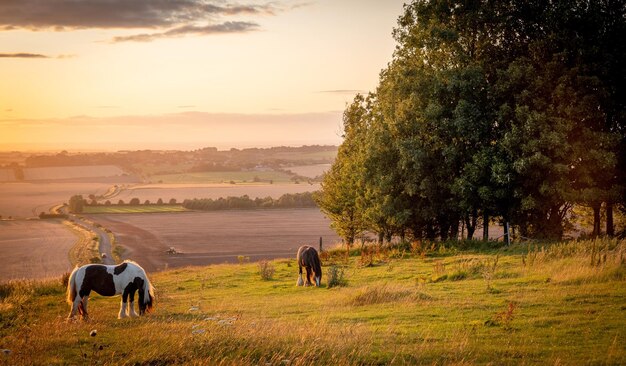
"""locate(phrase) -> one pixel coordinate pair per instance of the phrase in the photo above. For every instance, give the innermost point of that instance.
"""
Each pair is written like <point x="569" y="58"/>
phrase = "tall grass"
<point x="560" y="304"/>
<point x="597" y="260"/>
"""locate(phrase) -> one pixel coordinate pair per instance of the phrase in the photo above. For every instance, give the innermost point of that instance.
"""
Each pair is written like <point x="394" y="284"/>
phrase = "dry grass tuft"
<point x="577" y="262"/>
<point x="385" y="293"/>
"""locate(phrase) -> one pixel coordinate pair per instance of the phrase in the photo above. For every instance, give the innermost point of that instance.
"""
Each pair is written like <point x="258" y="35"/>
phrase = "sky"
<point x="186" y="74"/>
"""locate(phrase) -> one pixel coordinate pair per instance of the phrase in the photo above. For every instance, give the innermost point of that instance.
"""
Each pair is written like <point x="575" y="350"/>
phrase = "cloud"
<point x="22" y="55"/>
<point x="124" y="14"/>
<point x="227" y="27"/>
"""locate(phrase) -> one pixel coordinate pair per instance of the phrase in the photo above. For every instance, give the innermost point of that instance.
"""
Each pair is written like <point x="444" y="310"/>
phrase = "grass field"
<point x="560" y="305"/>
<point x="223" y="177"/>
<point x="126" y="209"/>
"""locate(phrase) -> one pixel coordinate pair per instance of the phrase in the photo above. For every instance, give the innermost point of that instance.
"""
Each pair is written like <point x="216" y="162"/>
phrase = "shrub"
<point x="266" y="270"/>
<point x="336" y="277"/>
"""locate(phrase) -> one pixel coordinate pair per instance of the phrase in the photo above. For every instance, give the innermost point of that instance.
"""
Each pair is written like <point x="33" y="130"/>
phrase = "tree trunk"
<point x="454" y="231"/>
<point x="485" y="225"/>
<point x="470" y="221"/>
<point x="610" y="227"/>
<point x="597" y="230"/>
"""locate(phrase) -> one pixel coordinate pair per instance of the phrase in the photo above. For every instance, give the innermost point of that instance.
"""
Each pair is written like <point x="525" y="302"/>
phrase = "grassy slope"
<point x="555" y="309"/>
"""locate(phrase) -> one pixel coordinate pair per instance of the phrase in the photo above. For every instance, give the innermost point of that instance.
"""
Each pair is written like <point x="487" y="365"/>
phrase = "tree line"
<point x="506" y="110"/>
<point x="288" y="200"/>
<point x="77" y="203"/>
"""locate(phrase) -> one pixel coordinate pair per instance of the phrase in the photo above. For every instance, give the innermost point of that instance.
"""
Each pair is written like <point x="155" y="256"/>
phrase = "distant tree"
<point x="146" y="202"/>
<point x="159" y="202"/>
<point x="121" y="202"/>
<point x="107" y="203"/>
<point x="172" y="201"/>
<point x="134" y="202"/>
<point x="76" y="204"/>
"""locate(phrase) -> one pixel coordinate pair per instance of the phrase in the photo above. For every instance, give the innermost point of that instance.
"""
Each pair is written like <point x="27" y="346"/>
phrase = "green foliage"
<point x="336" y="276"/>
<point x="287" y="200"/>
<point x="76" y="204"/>
<point x="476" y="117"/>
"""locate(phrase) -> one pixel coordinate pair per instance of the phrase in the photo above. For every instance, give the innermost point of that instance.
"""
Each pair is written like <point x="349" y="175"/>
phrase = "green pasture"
<point x="564" y="304"/>
<point x="121" y="209"/>
<point x="223" y="177"/>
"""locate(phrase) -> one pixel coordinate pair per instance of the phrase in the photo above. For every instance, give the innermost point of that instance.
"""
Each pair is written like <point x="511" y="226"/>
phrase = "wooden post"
<point x="321" y="244"/>
<point x="507" y="233"/>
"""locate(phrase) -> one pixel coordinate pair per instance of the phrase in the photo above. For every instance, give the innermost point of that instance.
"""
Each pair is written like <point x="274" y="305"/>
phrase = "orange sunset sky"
<point x="185" y="74"/>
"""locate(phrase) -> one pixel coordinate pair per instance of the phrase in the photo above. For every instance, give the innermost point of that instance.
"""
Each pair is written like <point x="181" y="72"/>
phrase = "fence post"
<point x="507" y="230"/>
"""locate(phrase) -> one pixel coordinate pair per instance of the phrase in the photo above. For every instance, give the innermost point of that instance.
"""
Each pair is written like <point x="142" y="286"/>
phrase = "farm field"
<point x="34" y="249"/>
<point x="509" y="306"/>
<point x="310" y="171"/>
<point x="203" y="238"/>
<point x="29" y="199"/>
<point x="71" y="172"/>
<point x="180" y="192"/>
<point x="223" y="177"/>
<point x="129" y="209"/>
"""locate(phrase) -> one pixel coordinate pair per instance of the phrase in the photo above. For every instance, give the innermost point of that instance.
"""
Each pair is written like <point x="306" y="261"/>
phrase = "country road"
<point x="104" y="241"/>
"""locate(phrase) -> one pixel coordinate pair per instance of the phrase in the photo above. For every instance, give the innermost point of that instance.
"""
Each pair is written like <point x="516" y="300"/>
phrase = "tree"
<point x="76" y="204"/>
<point x="342" y="184"/>
<point x="511" y="110"/>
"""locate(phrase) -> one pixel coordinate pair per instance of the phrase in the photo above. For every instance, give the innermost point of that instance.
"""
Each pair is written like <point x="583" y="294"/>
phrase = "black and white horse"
<point x="125" y="279"/>
<point x="307" y="257"/>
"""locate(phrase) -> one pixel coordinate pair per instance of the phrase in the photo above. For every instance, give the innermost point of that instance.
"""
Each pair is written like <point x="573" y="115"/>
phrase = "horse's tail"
<point x="71" y="287"/>
<point x="148" y="294"/>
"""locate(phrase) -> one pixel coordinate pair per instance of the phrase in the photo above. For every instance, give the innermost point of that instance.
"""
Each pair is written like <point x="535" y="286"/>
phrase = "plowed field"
<point x="34" y="249"/>
<point x="202" y="238"/>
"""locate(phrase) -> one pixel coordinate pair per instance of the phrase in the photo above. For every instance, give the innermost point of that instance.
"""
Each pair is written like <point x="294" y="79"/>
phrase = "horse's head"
<point x="318" y="273"/>
<point x="146" y="305"/>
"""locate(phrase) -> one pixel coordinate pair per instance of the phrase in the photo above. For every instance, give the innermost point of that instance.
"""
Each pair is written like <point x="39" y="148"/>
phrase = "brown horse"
<point x="307" y="257"/>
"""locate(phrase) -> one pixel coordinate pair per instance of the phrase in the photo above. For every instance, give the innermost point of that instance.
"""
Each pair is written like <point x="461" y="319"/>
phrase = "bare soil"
<point x="34" y="249"/>
<point x="202" y="238"/>
<point x="22" y="200"/>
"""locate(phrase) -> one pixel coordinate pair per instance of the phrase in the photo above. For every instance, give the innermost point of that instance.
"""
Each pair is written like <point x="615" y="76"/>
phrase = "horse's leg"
<point x="123" y="310"/>
<point x="308" y="276"/>
<point x="131" y="306"/>
<point x="300" y="281"/>
<point x="74" y="309"/>
<point x="85" y="300"/>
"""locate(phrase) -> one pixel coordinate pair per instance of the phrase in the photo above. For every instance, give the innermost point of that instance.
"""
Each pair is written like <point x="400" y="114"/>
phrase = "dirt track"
<point x="215" y="237"/>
